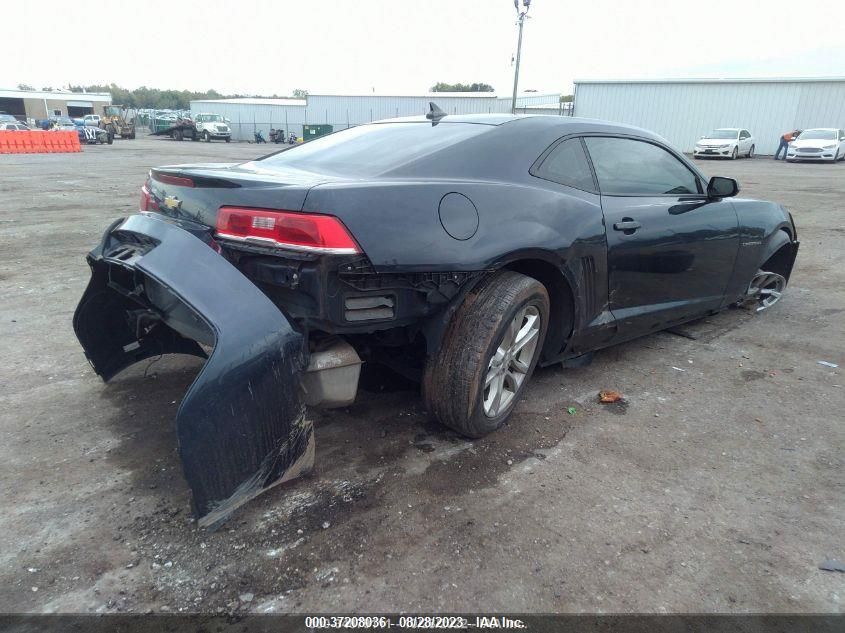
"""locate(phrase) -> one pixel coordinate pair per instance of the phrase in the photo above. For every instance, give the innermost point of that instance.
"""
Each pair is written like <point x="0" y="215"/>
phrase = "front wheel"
<point x="207" y="137"/>
<point x="751" y="152"/>
<point x="228" y="139"/>
<point x="735" y="153"/>
<point x="765" y="290"/>
<point x="488" y="354"/>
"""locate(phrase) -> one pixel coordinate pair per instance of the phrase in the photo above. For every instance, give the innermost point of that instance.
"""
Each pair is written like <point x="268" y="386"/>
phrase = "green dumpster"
<point x="310" y="132"/>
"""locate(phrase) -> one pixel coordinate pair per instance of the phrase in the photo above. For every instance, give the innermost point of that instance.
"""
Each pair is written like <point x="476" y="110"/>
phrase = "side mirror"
<point x="721" y="187"/>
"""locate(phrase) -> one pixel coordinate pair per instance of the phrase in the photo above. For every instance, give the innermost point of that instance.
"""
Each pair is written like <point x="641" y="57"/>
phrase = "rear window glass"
<point x="567" y="164"/>
<point x="369" y="150"/>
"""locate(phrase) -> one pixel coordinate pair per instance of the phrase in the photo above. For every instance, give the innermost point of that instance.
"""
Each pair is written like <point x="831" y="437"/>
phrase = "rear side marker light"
<point x="311" y="232"/>
<point x="144" y="204"/>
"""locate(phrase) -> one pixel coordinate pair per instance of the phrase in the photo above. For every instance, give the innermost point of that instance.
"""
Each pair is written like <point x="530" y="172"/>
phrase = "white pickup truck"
<point x="211" y="126"/>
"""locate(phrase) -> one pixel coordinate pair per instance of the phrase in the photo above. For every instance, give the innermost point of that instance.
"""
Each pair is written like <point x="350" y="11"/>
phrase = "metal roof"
<point x="255" y="101"/>
<point x="732" y="80"/>
<point x="434" y="95"/>
<point x="54" y="95"/>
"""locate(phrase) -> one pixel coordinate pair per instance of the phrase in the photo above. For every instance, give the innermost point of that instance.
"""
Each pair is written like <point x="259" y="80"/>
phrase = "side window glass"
<point x="567" y="164"/>
<point x="628" y="166"/>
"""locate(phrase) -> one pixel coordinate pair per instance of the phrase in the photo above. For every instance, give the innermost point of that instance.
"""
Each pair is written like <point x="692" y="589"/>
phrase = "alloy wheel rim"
<point x="511" y="361"/>
<point x="767" y="288"/>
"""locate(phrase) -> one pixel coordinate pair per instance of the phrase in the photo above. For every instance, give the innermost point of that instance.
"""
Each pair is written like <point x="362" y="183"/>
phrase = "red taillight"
<point x="286" y="229"/>
<point x="144" y="205"/>
<point x="167" y="179"/>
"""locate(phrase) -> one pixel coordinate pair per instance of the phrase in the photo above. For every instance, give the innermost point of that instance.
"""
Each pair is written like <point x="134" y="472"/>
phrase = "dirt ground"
<point x="716" y="487"/>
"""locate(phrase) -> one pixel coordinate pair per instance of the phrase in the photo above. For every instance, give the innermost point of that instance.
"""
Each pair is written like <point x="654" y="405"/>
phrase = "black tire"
<point x="132" y="134"/>
<point x="109" y="138"/>
<point x="751" y="152"/>
<point x="228" y="139"/>
<point x="735" y="153"/>
<point x="194" y="136"/>
<point x="207" y="137"/>
<point x="453" y="384"/>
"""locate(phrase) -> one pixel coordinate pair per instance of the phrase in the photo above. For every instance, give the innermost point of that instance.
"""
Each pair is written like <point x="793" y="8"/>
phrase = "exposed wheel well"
<point x="781" y="260"/>
<point x="561" y="299"/>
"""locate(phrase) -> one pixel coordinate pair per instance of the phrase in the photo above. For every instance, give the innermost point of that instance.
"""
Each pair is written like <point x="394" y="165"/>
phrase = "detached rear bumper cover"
<point x="157" y="288"/>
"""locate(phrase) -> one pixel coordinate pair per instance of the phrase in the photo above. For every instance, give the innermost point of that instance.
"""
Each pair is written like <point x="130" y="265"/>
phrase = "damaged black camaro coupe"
<point x="460" y="250"/>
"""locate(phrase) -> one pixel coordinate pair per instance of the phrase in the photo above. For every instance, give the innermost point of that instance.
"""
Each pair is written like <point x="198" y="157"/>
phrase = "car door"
<point x="671" y="249"/>
<point x="745" y="141"/>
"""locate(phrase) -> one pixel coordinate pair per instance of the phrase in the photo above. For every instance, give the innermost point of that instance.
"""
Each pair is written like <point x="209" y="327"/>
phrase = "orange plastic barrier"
<point x="39" y="142"/>
<point x="25" y="142"/>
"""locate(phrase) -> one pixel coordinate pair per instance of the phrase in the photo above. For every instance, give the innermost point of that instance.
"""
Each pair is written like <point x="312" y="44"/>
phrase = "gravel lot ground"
<point x="716" y="488"/>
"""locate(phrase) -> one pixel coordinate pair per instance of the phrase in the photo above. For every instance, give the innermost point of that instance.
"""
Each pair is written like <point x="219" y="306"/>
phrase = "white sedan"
<point x="819" y="144"/>
<point x="725" y="142"/>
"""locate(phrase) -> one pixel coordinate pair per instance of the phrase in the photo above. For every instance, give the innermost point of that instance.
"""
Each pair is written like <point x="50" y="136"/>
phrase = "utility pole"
<point x="520" y="20"/>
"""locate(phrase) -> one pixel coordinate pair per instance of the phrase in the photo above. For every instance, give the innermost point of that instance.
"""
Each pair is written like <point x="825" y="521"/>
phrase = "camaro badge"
<point x="172" y="202"/>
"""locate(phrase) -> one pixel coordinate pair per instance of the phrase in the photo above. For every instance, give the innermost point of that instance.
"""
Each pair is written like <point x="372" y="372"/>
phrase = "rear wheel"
<point x="488" y="354"/>
<point x="177" y="135"/>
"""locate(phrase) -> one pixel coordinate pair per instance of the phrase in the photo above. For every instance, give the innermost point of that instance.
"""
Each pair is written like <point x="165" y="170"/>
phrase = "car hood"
<point x="814" y="142"/>
<point x="716" y="141"/>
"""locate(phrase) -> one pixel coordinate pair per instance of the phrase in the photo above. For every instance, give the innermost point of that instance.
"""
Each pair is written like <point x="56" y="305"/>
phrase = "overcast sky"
<point x="405" y="46"/>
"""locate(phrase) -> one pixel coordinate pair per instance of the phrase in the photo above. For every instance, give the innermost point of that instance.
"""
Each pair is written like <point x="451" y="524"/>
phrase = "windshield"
<point x="213" y="117"/>
<point x="368" y="150"/>
<point x="809" y="135"/>
<point x="723" y="134"/>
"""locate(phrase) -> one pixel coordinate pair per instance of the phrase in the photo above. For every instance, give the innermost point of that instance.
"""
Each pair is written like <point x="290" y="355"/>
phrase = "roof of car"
<point x="551" y="121"/>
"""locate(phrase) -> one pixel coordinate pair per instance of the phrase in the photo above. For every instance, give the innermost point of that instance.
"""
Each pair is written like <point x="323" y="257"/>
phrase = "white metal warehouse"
<point x="248" y="115"/>
<point x="682" y="110"/>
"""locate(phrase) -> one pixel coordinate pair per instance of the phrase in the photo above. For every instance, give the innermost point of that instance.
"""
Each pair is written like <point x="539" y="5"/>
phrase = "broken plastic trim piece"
<point x="158" y="288"/>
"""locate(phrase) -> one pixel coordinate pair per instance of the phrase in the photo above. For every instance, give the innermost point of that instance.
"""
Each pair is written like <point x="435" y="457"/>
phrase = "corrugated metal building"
<point x="682" y="110"/>
<point x="342" y="111"/>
